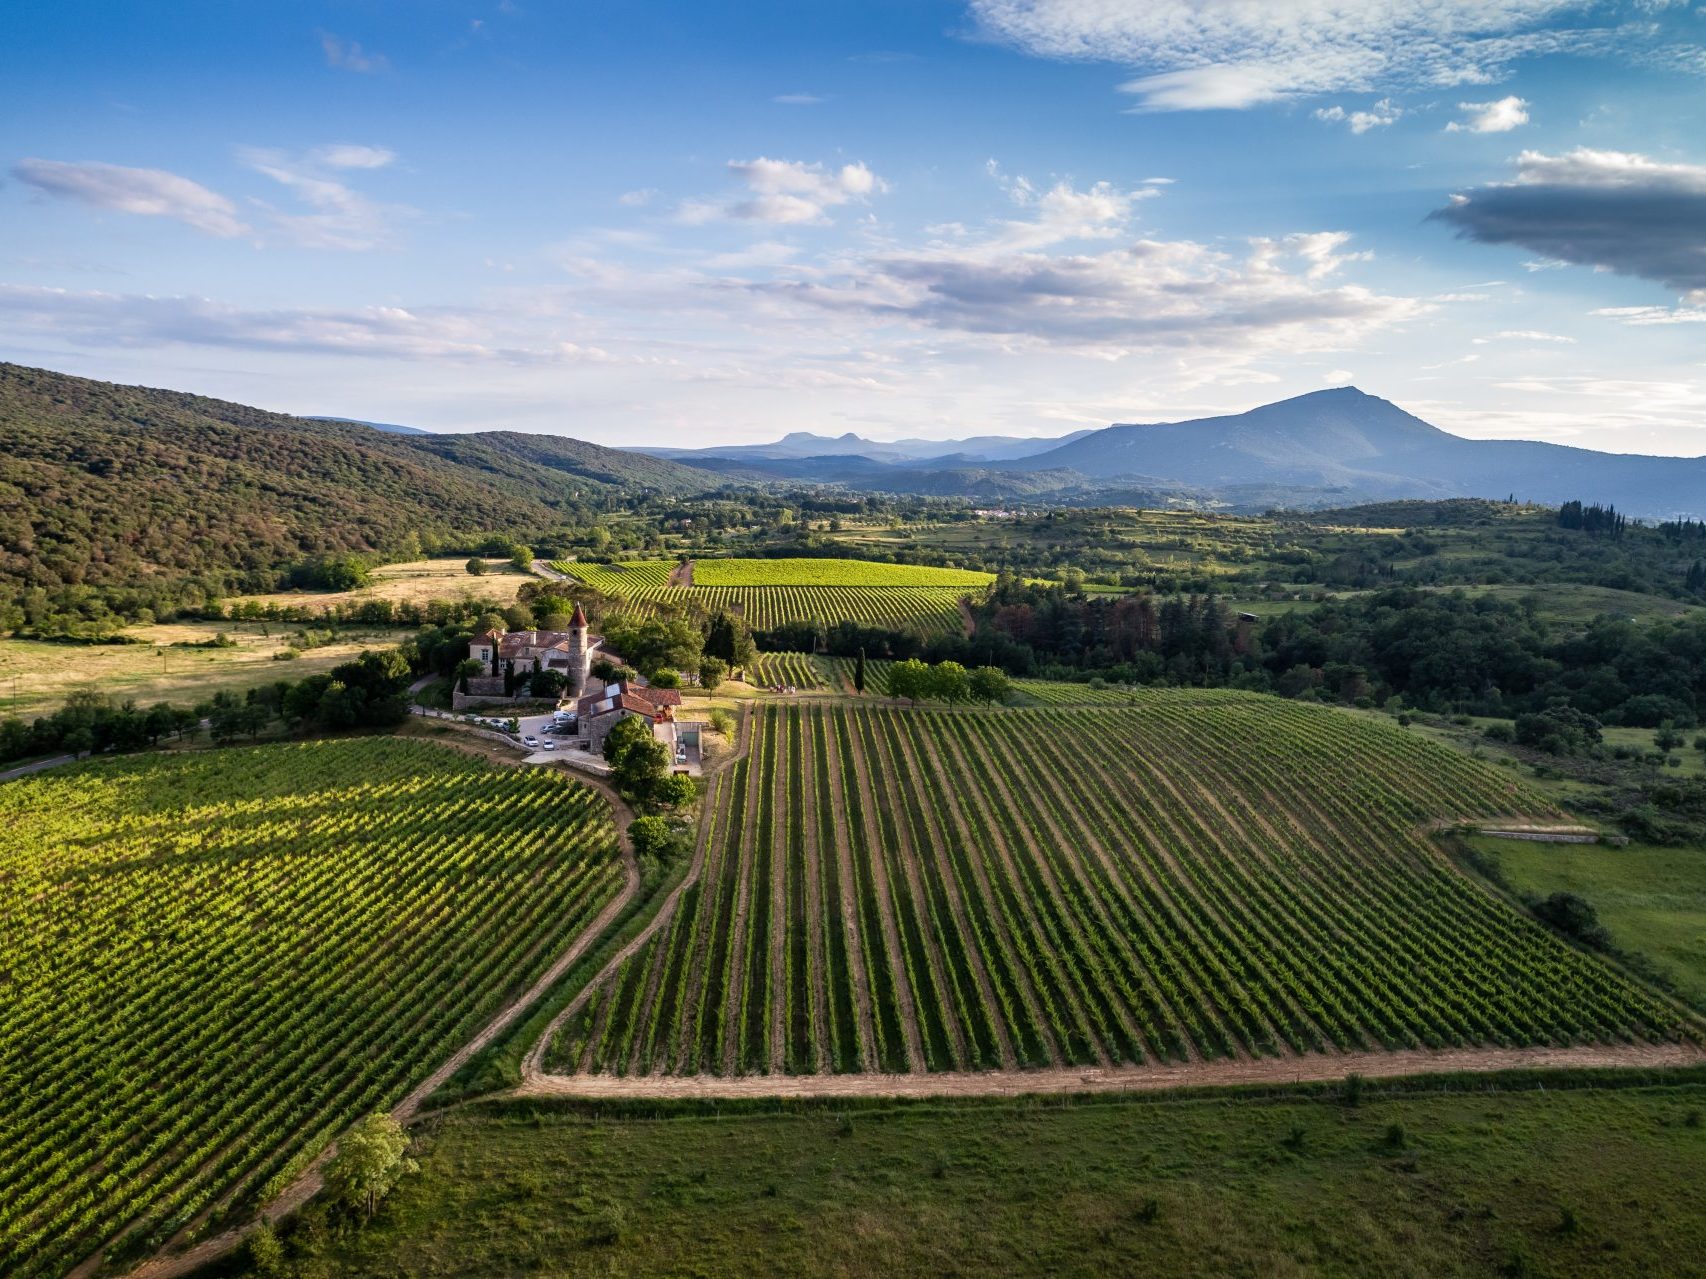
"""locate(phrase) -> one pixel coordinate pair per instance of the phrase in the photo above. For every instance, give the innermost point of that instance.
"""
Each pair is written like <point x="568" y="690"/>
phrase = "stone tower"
<point x="580" y="657"/>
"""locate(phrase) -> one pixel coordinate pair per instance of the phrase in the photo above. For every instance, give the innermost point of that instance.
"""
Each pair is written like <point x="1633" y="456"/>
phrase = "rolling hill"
<point x="106" y="484"/>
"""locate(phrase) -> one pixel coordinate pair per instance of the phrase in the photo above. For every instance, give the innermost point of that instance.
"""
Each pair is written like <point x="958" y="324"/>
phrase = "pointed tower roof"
<point x="578" y="621"/>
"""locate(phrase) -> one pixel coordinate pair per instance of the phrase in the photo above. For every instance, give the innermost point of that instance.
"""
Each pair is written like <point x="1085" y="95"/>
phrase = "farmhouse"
<point x="606" y="706"/>
<point x="512" y="658"/>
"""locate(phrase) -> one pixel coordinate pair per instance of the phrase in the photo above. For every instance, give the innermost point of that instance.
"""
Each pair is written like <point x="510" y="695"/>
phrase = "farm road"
<point x="1313" y="1068"/>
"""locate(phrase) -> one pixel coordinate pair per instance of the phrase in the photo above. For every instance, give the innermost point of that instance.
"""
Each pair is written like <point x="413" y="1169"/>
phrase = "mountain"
<point x="392" y="427"/>
<point x="804" y="445"/>
<point x="1368" y="448"/>
<point x="117" y="485"/>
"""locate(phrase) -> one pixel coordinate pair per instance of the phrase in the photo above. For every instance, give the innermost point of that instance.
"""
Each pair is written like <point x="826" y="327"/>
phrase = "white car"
<point x="547" y="746"/>
<point x="530" y="740"/>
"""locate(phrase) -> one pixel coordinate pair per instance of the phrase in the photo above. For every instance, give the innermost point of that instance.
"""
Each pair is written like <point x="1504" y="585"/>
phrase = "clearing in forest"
<point x="1199" y="875"/>
<point x="211" y="962"/>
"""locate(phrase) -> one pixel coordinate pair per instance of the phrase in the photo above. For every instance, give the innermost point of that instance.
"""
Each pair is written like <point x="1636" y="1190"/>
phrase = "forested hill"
<point x="107" y="485"/>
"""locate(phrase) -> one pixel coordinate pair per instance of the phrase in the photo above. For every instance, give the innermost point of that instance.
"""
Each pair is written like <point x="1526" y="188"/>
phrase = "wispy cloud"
<point x="345" y="155"/>
<point x="1206" y="54"/>
<point x="1491" y="117"/>
<point x="339" y="217"/>
<point x="1612" y="210"/>
<point x="798" y="99"/>
<point x="348" y="55"/>
<point x="150" y="192"/>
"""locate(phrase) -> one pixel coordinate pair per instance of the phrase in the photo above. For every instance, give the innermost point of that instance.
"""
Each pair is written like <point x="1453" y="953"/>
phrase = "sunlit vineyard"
<point x="1202" y="875"/>
<point x="889" y="602"/>
<point x="833" y="572"/>
<point x="798" y="670"/>
<point x="209" y="962"/>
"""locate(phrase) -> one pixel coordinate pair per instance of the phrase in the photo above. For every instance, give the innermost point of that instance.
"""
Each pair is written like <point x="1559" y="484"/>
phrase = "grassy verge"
<point x="1465" y="1177"/>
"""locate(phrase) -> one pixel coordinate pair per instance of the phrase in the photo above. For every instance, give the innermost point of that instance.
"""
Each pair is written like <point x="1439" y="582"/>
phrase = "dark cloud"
<point x="1605" y="209"/>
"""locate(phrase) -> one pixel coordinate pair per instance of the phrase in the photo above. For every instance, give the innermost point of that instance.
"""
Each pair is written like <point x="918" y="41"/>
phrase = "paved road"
<point x="24" y="770"/>
<point x="544" y="570"/>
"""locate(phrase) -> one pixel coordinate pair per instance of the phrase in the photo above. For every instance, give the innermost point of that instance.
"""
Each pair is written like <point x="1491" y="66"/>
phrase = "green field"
<point x="797" y="669"/>
<point x="1653" y="900"/>
<point x="832" y="572"/>
<point x="1469" y="1183"/>
<point x="1206" y="874"/>
<point x="208" y="962"/>
<point x="900" y="597"/>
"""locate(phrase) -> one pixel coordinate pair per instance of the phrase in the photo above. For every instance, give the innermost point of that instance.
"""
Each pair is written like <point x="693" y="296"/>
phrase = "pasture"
<point x="1201" y="875"/>
<point x="211" y="963"/>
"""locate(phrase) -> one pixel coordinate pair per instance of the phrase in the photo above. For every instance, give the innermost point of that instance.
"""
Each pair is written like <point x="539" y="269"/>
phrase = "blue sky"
<point x="686" y="223"/>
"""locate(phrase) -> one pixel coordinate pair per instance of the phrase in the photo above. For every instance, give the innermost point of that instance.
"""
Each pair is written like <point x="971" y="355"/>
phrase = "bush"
<point x="1574" y="917"/>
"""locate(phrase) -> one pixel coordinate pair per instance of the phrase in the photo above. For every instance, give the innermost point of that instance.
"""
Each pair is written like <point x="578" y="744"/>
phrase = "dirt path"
<point x="966" y="618"/>
<point x="24" y="770"/>
<point x="1313" y="1067"/>
<point x="682" y="574"/>
<point x="309" y="1182"/>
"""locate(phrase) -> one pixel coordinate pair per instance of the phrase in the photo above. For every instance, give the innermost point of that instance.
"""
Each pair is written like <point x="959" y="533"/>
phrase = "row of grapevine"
<point x="833" y="572"/>
<point x="1197" y="874"/>
<point x="788" y="669"/>
<point x="207" y="961"/>
<point x="929" y="610"/>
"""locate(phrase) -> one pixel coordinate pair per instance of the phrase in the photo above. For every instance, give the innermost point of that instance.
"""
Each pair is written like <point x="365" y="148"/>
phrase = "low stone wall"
<point x="1542" y="836"/>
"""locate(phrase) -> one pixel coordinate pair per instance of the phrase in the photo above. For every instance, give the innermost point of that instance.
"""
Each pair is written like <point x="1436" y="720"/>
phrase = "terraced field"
<point x="208" y="963"/>
<point x="1204" y="875"/>
<point x="827" y="591"/>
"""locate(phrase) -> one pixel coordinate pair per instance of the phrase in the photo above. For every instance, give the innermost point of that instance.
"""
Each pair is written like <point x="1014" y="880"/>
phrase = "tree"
<point x="948" y="683"/>
<point x="466" y="667"/>
<point x="990" y="684"/>
<point x="712" y="672"/>
<point x="476" y="566"/>
<point x="638" y="761"/>
<point x="522" y="559"/>
<point x="675" y="791"/>
<point x="1667" y="738"/>
<point x="372" y="1157"/>
<point x="909" y="679"/>
<point x="651" y="835"/>
<point x="859" y="672"/>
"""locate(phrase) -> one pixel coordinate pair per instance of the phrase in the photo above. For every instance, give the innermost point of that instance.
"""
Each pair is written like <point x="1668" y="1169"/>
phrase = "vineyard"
<point x="1201" y="875"/>
<point x="209" y="964"/>
<point x="833" y="572"/>
<point x="797" y="669"/>
<point x="889" y="602"/>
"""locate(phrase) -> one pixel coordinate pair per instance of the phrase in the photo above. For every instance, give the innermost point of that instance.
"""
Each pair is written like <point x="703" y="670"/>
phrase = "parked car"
<point x="530" y="740"/>
<point x="547" y="746"/>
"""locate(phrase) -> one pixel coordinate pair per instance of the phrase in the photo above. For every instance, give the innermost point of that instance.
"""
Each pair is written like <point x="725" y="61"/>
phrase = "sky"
<point x="693" y="223"/>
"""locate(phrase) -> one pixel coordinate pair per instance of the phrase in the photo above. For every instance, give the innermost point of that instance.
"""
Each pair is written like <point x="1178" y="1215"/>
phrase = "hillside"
<point x="106" y="484"/>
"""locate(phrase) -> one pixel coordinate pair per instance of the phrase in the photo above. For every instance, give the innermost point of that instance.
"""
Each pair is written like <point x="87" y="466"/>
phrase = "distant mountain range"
<point x="389" y="427"/>
<point x="1328" y="448"/>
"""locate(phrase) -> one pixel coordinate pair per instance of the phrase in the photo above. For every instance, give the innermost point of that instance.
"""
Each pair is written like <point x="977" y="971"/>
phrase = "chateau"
<point x="511" y="658"/>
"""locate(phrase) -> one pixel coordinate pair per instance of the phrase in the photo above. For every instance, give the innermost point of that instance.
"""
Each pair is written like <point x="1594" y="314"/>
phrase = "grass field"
<point x="208" y="962"/>
<point x="1653" y="900"/>
<point x="895" y="600"/>
<point x="415" y="582"/>
<point x="1473" y="1183"/>
<point x="1204" y="875"/>
<point x="155" y="671"/>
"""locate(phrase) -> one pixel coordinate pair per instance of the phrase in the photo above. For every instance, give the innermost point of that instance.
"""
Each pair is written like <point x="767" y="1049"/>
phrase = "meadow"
<point x="211" y="963"/>
<point x="1200" y="875"/>
<point x="165" y="666"/>
<point x="413" y="582"/>
<point x="1479" y="1181"/>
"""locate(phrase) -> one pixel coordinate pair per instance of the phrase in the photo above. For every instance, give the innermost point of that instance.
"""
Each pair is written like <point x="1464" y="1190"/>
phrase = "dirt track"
<point x="1016" y="1083"/>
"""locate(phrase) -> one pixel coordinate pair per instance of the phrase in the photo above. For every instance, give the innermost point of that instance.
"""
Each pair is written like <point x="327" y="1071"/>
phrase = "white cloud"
<point x="1644" y="316"/>
<point x="380" y="332"/>
<point x="340" y="217"/>
<point x="1378" y="116"/>
<point x="637" y="199"/>
<point x="786" y="192"/>
<point x="1206" y="54"/>
<point x="1522" y="335"/>
<point x="1491" y="117"/>
<point x="350" y="56"/>
<point x="151" y="192"/>
<point x="345" y="155"/>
